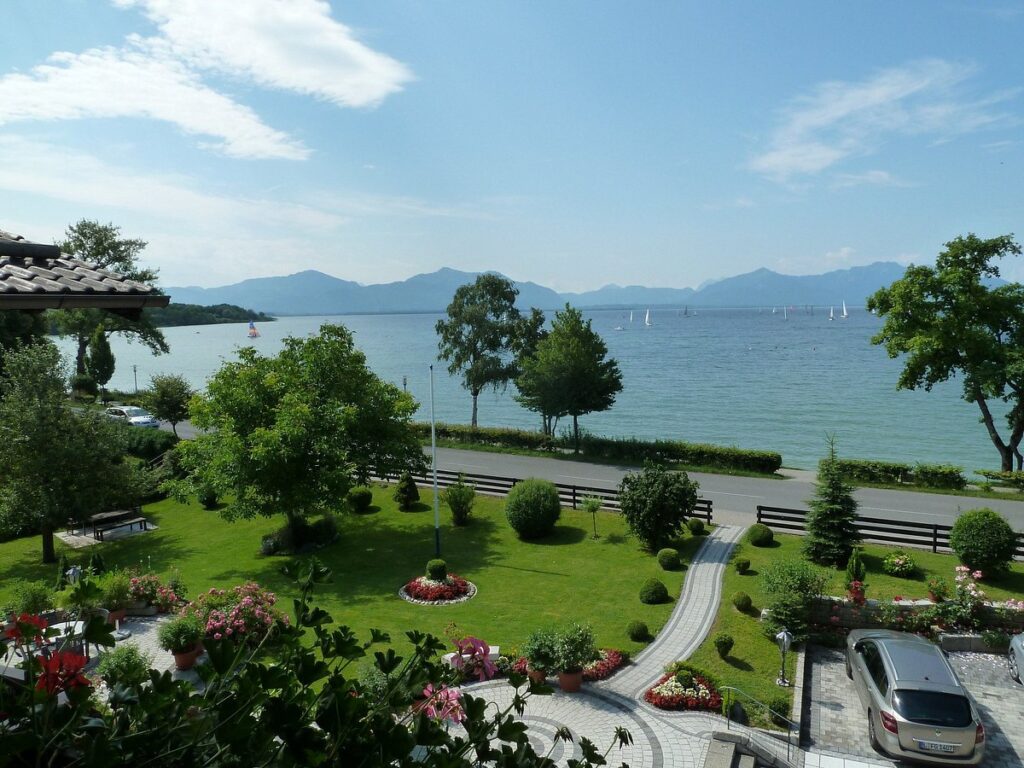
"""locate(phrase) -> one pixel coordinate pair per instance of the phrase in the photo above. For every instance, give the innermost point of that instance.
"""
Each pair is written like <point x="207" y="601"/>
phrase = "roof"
<point x="36" y="276"/>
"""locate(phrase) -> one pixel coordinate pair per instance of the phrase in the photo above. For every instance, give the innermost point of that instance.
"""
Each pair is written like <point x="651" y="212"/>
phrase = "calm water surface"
<point x="732" y="377"/>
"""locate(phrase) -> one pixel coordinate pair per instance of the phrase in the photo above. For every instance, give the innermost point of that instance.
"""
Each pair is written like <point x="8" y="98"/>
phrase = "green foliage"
<point x="18" y="328"/>
<point x="168" y="398"/>
<point x="668" y="559"/>
<point x="791" y="586"/>
<point x="576" y="648"/>
<point x="592" y="505"/>
<point x="437" y="570"/>
<point x="656" y="503"/>
<point x="947" y="322"/>
<point x="100" y="363"/>
<point x="741" y="564"/>
<point x="653" y="592"/>
<point x="175" y="314"/>
<point x="900" y="564"/>
<point x="207" y="497"/>
<point x="83" y="386"/>
<point x="532" y="508"/>
<point x="32" y="597"/>
<point x="996" y="639"/>
<point x="831" y="532"/>
<point x="696" y="526"/>
<point x="638" y="632"/>
<point x="181" y="634"/>
<point x="359" y="499"/>
<point x="62" y="572"/>
<point x="146" y="444"/>
<point x="780" y="707"/>
<point x="760" y="535"/>
<point x="406" y="493"/>
<point x="742" y="602"/>
<point x="97" y="566"/>
<point x="723" y="644"/>
<point x="855" y="568"/>
<point x="871" y="471"/>
<point x="125" y="665"/>
<point x="541" y="650"/>
<point x="678" y="668"/>
<point x="1011" y="479"/>
<point x="117" y="589"/>
<point x="984" y="541"/>
<point x="940" y="476"/>
<point x="459" y="497"/>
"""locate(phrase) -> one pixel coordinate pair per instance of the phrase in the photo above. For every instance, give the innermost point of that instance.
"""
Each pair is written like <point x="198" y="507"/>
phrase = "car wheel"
<point x="872" y="738"/>
<point x="1011" y="662"/>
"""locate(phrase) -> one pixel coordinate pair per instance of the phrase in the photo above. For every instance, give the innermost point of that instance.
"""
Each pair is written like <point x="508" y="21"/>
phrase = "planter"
<point x="115" y="616"/>
<point x="186" y="659"/>
<point x="141" y="609"/>
<point x="536" y="675"/>
<point x="570" y="682"/>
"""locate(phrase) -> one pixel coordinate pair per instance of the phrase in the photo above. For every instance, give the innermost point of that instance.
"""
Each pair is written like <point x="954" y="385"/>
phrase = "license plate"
<point x="936" y="746"/>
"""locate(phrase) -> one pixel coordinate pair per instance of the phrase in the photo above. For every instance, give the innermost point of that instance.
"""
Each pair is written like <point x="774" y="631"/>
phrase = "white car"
<point x="133" y="415"/>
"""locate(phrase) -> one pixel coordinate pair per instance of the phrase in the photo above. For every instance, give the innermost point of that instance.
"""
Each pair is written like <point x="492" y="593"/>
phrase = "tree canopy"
<point x="949" y="320"/>
<point x="17" y="328"/>
<point x="291" y="434"/>
<point x="656" y="503"/>
<point x="169" y="398"/>
<point x="100" y="363"/>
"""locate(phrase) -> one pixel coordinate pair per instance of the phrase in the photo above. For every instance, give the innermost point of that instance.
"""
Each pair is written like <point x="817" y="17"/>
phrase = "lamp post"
<point x="135" y="372"/>
<point x="785" y="640"/>
<point x="433" y="462"/>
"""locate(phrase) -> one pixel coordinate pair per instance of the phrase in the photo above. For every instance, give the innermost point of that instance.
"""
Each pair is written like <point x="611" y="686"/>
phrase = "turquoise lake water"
<point x="731" y="377"/>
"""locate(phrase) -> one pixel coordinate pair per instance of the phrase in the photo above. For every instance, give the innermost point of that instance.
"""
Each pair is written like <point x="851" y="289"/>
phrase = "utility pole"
<point x="135" y="372"/>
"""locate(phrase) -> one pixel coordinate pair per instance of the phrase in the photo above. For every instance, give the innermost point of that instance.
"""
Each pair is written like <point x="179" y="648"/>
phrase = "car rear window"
<point x="135" y="412"/>
<point x="933" y="708"/>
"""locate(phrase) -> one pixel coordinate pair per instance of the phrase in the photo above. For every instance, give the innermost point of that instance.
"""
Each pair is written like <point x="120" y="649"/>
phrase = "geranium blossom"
<point x="443" y="703"/>
<point x="422" y="588"/>
<point x="669" y="693"/>
<point x="30" y="624"/>
<point x="473" y="657"/>
<point x="607" y="662"/>
<point x="61" y="671"/>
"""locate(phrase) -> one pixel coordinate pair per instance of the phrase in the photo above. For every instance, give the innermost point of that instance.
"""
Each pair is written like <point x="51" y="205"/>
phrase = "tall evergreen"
<point x="831" y="533"/>
<point x="100" y="363"/>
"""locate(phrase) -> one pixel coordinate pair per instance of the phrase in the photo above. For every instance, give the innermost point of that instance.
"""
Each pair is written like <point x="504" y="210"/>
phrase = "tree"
<point x="18" y="327"/>
<point x="656" y="503"/>
<point x="102" y="245"/>
<point x="948" y="320"/>
<point x="59" y="464"/>
<point x="291" y="434"/>
<point x="569" y="372"/>
<point x="479" y="335"/>
<point x="100" y="364"/>
<point x="831" y="532"/>
<point x="169" y="397"/>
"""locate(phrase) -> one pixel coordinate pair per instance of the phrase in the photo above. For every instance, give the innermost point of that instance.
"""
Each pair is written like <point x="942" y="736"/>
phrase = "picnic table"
<point x="119" y="518"/>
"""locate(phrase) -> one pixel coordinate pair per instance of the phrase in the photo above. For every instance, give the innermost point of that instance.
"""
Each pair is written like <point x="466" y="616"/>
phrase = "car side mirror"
<point x="858" y="646"/>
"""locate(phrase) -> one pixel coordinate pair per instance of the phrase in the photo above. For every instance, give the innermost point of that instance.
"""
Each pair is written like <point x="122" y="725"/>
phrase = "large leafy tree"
<point x="169" y="397"/>
<point x="656" y="503"/>
<point x="102" y="245"/>
<point x="17" y="328"/>
<point x="949" y="321"/>
<point x="831" y="532"/>
<point x="58" y="464"/>
<point x="479" y="335"/>
<point x="291" y="434"/>
<point x="100" y="363"/>
<point x="569" y="372"/>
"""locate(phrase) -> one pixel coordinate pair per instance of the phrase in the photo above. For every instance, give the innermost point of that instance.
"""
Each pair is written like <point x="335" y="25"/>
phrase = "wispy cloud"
<point x="875" y="178"/>
<point x="839" y="120"/>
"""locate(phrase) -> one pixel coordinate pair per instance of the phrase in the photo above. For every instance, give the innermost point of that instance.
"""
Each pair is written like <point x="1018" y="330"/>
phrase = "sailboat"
<point x="774" y="310"/>
<point x="845" y="314"/>
<point x="785" y="314"/>
<point x="253" y="333"/>
<point x="831" y="313"/>
<point x="631" y="315"/>
<point x="647" y="318"/>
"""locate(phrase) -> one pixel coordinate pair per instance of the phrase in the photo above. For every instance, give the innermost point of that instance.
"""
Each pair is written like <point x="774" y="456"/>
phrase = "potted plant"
<point x="181" y="637"/>
<point x="576" y="648"/>
<point x="117" y="594"/>
<point x="938" y="589"/>
<point x="541" y="652"/>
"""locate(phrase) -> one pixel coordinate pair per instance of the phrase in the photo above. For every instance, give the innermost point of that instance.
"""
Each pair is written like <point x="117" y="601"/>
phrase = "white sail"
<point x="831" y="313"/>
<point x="785" y="314"/>
<point x="647" y="318"/>
<point x="844" y="315"/>
<point x="631" y="315"/>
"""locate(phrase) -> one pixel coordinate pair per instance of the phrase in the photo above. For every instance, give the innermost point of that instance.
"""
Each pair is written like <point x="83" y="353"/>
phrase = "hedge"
<point x="899" y="473"/>
<point x="614" y="448"/>
<point x="1011" y="479"/>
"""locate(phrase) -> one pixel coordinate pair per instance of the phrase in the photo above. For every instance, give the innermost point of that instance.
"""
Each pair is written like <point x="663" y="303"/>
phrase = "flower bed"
<point x="428" y="591"/>
<point x="670" y="693"/>
<point x="246" y="612"/>
<point x="605" y="666"/>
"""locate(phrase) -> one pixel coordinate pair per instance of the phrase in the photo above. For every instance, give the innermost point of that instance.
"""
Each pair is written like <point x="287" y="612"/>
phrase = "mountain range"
<point x="315" y="293"/>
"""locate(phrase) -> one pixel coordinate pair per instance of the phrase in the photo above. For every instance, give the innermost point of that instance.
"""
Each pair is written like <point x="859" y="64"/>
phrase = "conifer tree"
<point x="831" y="533"/>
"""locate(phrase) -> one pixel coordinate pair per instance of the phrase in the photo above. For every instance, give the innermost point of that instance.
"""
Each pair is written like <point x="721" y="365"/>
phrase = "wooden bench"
<point x="131" y="522"/>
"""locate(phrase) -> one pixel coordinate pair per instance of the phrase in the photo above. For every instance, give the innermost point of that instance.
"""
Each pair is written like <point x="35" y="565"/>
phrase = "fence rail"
<point x="569" y="495"/>
<point x="934" y="536"/>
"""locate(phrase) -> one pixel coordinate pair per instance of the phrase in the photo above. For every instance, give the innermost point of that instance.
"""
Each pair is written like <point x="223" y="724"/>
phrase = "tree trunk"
<point x="49" y="553"/>
<point x="83" y="346"/>
<point x="1005" y="451"/>
<point x="576" y="433"/>
<point x="476" y="394"/>
<point x="174" y="428"/>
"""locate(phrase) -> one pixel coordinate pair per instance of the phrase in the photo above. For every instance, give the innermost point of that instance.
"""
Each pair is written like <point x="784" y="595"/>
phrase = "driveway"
<point x="837" y="725"/>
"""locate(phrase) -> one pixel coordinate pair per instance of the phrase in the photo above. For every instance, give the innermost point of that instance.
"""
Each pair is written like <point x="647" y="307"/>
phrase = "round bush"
<point x="653" y="592"/>
<point x="696" y="526"/>
<point x="983" y="541"/>
<point x="360" y="498"/>
<point x="406" y="493"/>
<point x="742" y="601"/>
<point x="533" y="508"/>
<point x="723" y="644"/>
<point x="668" y="559"/>
<point x="742" y="565"/>
<point x="638" y="631"/>
<point x="437" y="570"/>
<point x="760" y="535"/>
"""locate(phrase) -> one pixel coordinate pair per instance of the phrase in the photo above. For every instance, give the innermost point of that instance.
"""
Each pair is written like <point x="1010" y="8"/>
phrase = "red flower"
<point x="453" y="587"/>
<point x="24" y="624"/>
<point x="665" y="701"/>
<point x="61" y="671"/>
<point x="610" y="661"/>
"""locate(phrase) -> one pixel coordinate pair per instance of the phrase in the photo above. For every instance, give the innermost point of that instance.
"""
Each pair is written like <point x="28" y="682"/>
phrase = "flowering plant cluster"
<point x="245" y="612"/>
<point x="607" y="663"/>
<point x="672" y="693"/>
<point x="899" y="563"/>
<point x="144" y="588"/>
<point x="443" y="703"/>
<point x="938" y="589"/>
<point x="61" y="671"/>
<point x="856" y="592"/>
<point x="450" y="588"/>
<point x="473" y="659"/>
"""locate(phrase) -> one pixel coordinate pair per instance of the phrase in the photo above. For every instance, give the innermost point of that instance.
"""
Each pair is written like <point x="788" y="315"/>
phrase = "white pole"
<point x="433" y="461"/>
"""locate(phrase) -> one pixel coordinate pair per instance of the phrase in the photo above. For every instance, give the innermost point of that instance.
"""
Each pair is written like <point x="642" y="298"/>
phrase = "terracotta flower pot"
<point x="570" y="682"/>
<point x="186" y="659"/>
<point x="536" y="675"/>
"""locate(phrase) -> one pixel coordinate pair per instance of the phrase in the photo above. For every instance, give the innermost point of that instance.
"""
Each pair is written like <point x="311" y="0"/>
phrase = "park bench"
<point x="109" y="521"/>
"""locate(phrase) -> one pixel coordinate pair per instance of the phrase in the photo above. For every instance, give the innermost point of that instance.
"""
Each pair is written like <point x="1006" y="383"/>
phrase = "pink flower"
<point x="216" y="635"/>
<point x="443" y="703"/>
<point x="479" y="661"/>
<point x="976" y="575"/>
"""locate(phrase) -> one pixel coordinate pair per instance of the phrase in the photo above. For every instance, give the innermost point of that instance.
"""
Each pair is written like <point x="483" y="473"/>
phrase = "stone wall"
<point x="851" y="616"/>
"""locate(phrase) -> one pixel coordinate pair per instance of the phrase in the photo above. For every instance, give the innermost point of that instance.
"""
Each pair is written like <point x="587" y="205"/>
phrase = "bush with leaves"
<point x="437" y="569"/>
<point x="541" y="650"/>
<point x="723" y="644"/>
<point x="406" y="493"/>
<point x="742" y="602"/>
<point x="742" y="565"/>
<point x="760" y="535"/>
<point x="533" y="508"/>
<point x="126" y="665"/>
<point x="855" y="568"/>
<point x="792" y="587"/>
<point x="638" y="632"/>
<point x="900" y="564"/>
<point x="656" y="503"/>
<point x="696" y="526"/>
<point x="459" y="497"/>
<point x="983" y="541"/>
<point x="359" y="499"/>
<point x="653" y="592"/>
<point x="831" y="529"/>
<point x="29" y="597"/>
<point x="668" y="559"/>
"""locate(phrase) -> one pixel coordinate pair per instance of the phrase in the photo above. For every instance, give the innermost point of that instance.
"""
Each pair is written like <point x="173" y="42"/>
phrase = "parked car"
<point x="133" y="415"/>
<point x="916" y="707"/>
<point x="1015" y="656"/>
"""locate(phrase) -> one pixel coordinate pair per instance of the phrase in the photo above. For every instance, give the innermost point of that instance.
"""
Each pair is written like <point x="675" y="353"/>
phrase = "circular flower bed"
<point x="669" y="693"/>
<point x="605" y="666"/>
<point x="425" y="591"/>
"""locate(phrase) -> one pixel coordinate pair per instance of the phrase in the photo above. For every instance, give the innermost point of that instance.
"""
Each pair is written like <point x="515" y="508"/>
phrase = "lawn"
<point x="522" y="585"/>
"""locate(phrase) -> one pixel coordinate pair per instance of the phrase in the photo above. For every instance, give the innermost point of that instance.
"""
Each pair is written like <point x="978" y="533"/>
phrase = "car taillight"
<point x="979" y="734"/>
<point x="889" y="722"/>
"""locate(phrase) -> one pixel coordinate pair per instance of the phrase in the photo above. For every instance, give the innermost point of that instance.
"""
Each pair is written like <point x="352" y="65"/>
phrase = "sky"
<point x="574" y="144"/>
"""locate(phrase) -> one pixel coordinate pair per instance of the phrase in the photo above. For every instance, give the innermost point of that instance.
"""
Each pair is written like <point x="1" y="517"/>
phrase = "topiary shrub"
<point x="696" y="526"/>
<point x="855" y="568"/>
<point x="742" y="602"/>
<point x="359" y="499"/>
<point x="742" y="565"/>
<point x="638" y="631"/>
<point x="655" y="503"/>
<point x="760" y="535"/>
<point x="723" y="644"/>
<point x="533" y="508"/>
<point x="668" y="559"/>
<point x="779" y="709"/>
<point x="983" y="541"/>
<point x="437" y="570"/>
<point x="406" y="492"/>
<point x="653" y="592"/>
<point x="125" y="665"/>
<point x="460" y="497"/>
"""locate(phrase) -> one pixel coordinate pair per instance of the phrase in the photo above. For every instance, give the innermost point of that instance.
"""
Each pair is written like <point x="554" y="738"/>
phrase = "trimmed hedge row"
<point x="1012" y="479"/>
<point x="614" y="448"/>
<point x="898" y="473"/>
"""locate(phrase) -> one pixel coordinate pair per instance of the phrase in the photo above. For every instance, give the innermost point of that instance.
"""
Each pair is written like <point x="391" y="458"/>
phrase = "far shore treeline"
<point x="196" y="314"/>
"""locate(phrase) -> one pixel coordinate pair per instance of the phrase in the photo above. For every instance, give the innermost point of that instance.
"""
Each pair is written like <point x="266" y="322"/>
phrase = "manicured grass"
<point x="522" y="585"/>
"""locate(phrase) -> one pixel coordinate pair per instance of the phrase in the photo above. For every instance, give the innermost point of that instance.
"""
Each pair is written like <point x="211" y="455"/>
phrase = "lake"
<point x="739" y="377"/>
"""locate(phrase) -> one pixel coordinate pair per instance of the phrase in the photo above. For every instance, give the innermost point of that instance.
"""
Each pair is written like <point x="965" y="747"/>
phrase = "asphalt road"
<point x="735" y="498"/>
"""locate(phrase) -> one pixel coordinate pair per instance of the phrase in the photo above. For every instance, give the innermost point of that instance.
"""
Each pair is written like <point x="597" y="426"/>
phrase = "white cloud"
<point x="872" y="178"/>
<point x="839" y="119"/>
<point x="291" y="45"/>
<point x="840" y="256"/>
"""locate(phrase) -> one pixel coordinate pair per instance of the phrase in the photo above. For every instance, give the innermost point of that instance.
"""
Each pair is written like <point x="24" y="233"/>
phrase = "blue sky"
<point x="573" y="144"/>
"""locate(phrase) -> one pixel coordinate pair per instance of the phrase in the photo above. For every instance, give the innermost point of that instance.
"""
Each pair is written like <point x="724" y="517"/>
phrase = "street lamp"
<point x="785" y="640"/>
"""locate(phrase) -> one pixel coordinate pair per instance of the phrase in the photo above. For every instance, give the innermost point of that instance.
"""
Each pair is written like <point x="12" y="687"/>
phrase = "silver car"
<point x="917" y="709"/>
<point x="133" y="415"/>
<point x="1015" y="656"/>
